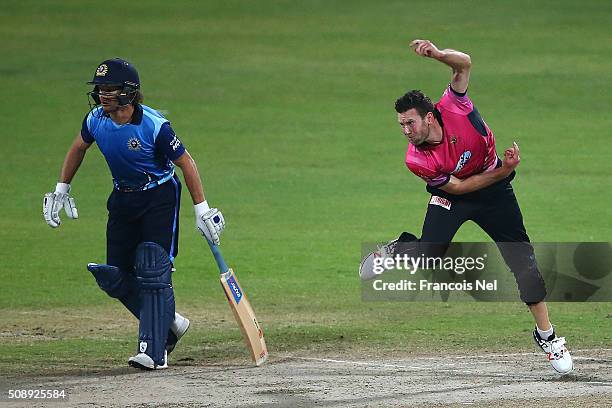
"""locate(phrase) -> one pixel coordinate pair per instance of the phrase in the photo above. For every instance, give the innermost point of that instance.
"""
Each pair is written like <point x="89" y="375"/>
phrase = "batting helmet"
<point x="116" y="72"/>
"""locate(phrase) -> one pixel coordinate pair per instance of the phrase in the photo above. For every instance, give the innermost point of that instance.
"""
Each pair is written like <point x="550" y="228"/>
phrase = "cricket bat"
<point x="242" y="310"/>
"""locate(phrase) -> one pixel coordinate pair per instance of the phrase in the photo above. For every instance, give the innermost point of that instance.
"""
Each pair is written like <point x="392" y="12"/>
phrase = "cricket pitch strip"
<point x="299" y="380"/>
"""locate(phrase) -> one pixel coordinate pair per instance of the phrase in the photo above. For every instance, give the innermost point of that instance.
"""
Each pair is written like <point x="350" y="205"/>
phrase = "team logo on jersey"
<point x="102" y="70"/>
<point x="133" y="144"/>
<point x="453" y="139"/>
<point x="462" y="161"/>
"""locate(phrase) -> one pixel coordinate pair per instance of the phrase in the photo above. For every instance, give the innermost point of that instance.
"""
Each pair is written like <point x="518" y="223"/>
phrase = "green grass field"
<point x="288" y="109"/>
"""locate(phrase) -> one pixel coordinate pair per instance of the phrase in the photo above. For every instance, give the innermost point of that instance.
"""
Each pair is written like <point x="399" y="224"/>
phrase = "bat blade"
<point x="243" y="312"/>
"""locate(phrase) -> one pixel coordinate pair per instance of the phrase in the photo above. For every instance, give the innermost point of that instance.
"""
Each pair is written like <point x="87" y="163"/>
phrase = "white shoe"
<point x="366" y="268"/>
<point x="178" y="327"/>
<point x="556" y="352"/>
<point x="144" y="362"/>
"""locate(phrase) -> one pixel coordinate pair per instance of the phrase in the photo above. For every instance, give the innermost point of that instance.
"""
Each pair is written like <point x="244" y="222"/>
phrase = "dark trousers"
<point x="135" y="217"/>
<point x="496" y="210"/>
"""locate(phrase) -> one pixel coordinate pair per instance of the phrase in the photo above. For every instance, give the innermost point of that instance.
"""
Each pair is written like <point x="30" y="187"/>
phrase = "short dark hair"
<point x="414" y="99"/>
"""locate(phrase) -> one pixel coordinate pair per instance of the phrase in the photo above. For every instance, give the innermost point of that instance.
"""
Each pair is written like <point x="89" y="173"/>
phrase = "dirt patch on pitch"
<point x="487" y="380"/>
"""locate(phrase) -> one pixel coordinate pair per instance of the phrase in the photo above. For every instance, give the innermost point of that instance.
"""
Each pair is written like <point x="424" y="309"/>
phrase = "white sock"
<point x="545" y="334"/>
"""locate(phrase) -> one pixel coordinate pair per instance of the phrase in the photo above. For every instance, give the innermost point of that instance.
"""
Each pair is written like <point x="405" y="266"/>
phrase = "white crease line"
<point x="364" y="363"/>
<point x="383" y="365"/>
<point x="481" y="356"/>
<point x="609" y="384"/>
<point x="512" y="354"/>
<point x="498" y="357"/>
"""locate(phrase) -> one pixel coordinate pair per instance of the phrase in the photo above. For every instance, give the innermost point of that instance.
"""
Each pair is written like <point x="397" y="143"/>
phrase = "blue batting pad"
<point x="117" y="284"/>
<point x="153" y="275"/>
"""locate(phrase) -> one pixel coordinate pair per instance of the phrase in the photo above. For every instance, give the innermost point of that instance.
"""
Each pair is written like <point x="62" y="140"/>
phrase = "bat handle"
<point x="218" y="257"/>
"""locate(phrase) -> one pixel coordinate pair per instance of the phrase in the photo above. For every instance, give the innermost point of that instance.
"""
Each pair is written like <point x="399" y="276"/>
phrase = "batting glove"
<point x="54" y="202"/>
<point x="209" y="221"/>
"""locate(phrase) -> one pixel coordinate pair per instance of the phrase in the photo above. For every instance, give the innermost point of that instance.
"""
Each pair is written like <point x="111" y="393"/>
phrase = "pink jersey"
<point x="467" y="148"/>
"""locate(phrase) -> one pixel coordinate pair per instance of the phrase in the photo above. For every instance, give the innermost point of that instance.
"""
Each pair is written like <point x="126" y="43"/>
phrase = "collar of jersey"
<point x="137" y="115"/>
<point x="438" y="116"/>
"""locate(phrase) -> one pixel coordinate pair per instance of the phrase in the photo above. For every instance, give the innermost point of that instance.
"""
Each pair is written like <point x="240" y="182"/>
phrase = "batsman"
<point x="453" y="150"/>
<point x="142" y="152"/>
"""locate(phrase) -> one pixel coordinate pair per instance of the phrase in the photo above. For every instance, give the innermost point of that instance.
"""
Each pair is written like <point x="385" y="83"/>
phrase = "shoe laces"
<point x="388" y="249"/>
<point x="556" y="348"/>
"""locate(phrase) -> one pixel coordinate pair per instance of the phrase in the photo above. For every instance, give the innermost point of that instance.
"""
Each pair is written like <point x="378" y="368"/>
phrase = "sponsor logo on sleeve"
<point x="175" y="143"/>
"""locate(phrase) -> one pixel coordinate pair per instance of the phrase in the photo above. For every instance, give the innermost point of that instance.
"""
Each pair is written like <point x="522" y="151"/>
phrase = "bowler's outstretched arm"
<point x="460" y="62"/>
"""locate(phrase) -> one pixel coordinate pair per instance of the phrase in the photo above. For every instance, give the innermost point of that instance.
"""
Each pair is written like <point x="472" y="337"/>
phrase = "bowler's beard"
<point x="428" y="131"/>
<point x="424" y="139"/>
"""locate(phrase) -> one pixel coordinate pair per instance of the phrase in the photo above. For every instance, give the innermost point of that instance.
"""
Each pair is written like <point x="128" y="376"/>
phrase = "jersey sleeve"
<point x="436" y="181"/>
<point x="492" y="161"/>
<point x="85" y="133"/>
<point x="433" y="178"/>
<point x="168" y="143"/>
<point x="455" y="102"/>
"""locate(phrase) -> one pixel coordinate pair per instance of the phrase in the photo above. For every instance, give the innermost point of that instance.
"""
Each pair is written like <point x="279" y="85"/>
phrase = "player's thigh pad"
<point x="115" y="282"/>
<point x="153" y="274"/>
